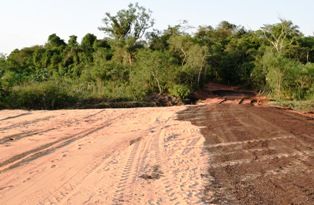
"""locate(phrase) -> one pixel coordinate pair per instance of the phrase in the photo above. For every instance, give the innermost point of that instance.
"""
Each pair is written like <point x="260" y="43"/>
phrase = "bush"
<point x="45" y="95"/>
<point x="181" y="91"/>
<point x="284" y="78"/>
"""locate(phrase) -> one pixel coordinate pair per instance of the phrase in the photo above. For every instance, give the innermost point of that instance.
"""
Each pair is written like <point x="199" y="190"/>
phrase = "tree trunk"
<point x="199" y="76"/>
<point x="184" y="56"/>
<point x="307" y="56"/>
<point x="158" y="84"/>
<point x="130" y="58"/>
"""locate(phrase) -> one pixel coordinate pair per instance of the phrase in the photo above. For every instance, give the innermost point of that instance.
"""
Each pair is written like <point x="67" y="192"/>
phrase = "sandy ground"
<point x="122" y="156"/>
<point x="214" y="153"/>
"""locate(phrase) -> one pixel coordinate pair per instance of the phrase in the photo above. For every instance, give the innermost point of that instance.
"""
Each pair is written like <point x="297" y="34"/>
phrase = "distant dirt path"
<point x="257" y="155"/>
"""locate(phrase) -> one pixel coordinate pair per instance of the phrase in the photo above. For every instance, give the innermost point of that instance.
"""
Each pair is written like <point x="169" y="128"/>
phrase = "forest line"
<point x="135" y="62"/>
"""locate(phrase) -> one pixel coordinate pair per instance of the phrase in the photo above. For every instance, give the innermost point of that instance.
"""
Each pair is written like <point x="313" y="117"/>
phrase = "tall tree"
<point x="55" y="41"/>
<point x="126" y="28"/>
<point x="72" y="42"/>
<point x="281" y="35"/>
<point x="88" y="42"/>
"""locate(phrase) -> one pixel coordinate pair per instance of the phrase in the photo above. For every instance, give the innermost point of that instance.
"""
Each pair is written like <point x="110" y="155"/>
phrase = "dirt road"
<point x="123" y="156"/>
<point x="208" y="154"/>
<point x="256" y="155"/>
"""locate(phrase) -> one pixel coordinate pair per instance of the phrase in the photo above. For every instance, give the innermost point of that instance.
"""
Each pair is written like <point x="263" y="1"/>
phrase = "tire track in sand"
<point x="173" y="195"/>
<point x="15" y="116"/>
<point x="128" y="171"/>
<point x="20" y="124"/>
<point x="73" y="182"/>
<point x="30" y="155"/>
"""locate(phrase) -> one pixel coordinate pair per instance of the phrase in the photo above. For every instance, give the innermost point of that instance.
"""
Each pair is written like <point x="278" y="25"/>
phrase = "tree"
<point x="180" y="44"/>
<point x="2" y="71"/>
<point x="160" y="40"/>
<point x="88" y="42"/>
<point x="307" y="49"/>
<point x="197" y="58"/>
<point x="72" y="43"/>
<point x="71" y="53"/>
<point x="192" y="55"/>
<point x="131" y="63"/>
<point x="153" y="69"/>
<point x="55" y="41"/>
<point x="226" y="28"/>
<point x="281" y="35"/>
<point x="126" y="28"/>
<point x="238" y="58"/>
<point x="205" y="35"/>
<point x="2" y="63"/>
<point x="128" y="24"/>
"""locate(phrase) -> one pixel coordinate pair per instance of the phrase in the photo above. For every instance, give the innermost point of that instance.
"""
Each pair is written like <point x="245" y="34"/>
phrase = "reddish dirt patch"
<point x="257" y="155"/>
<point x="214" y="93"/>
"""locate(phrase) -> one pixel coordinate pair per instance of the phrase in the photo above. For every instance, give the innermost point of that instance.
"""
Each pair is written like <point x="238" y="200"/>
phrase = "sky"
<point x="26" y="23"/>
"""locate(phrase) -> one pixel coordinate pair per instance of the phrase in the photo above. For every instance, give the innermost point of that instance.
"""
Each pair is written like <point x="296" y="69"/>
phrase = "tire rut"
<point x="30" y="155"/>
<point x="73" y="182"/>
<point x="19" y="136"/>
<point x="22" y="135"/>
<point x="15" y="116"/>
<point x="20" y="124"/>
<point x="127" y="173"/>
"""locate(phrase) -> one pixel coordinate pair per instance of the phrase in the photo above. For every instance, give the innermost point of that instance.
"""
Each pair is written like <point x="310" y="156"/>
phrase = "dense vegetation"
<point x="132" y="64"/>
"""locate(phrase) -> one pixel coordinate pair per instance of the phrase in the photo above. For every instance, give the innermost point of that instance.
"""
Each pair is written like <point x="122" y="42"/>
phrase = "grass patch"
<point x="304" y="105"/>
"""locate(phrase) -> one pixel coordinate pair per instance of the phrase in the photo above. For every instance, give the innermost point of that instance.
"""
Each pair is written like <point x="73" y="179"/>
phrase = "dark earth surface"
<point x="258" y="155"/>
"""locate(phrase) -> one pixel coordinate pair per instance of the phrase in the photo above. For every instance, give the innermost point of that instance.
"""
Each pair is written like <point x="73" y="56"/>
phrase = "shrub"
<point x="181" y="91"/>
<point x="45" y="95"/>
<point x="283" y="77"/>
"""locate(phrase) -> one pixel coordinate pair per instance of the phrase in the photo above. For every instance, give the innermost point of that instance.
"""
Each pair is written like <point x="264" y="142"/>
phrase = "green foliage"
<point x="153" y="70"/>
<point x="126" y="28"/>
<point x="2" y="72"/>
<point x="48" y="95"/>
<point x="126" y="66"/>
<point x="55" y="41"/>
<point x="284" y="78"/>
<point x="181" y="91"/>
<point x="281" y="36"/>
<point x="301" y="105"/>
<point x="9" y="79"/>
<point x="129" y="24"/>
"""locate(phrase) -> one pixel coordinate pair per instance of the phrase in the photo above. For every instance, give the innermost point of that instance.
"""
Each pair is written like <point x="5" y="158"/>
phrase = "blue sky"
<point x="29" y="22"/>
